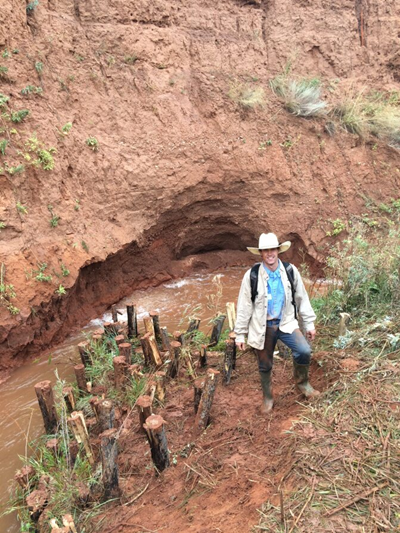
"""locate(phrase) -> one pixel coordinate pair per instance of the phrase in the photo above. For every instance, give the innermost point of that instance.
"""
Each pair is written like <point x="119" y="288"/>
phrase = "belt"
<point x="273" y="322"/>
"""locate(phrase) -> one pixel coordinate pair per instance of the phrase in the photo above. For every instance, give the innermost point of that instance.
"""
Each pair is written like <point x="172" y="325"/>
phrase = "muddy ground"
<point x="224" y="475"/>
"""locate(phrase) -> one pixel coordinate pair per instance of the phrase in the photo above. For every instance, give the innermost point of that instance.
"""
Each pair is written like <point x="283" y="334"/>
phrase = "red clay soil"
<point x="181" y="167"/>
<point x="221" y="477"/>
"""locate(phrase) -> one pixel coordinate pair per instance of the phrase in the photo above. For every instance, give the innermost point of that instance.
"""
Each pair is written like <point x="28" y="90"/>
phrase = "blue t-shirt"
<point x="275" y="294"/>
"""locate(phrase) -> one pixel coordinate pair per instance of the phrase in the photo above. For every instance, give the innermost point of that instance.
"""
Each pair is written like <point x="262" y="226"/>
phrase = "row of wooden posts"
<point x="158" y="351"/>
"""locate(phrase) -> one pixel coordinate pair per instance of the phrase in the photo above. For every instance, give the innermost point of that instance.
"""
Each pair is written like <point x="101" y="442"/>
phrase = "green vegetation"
<point x="3" y="146"/>
<point x="31" y="89"/>
<point x="44" y="155"/>
<point x="246" y="95"/>
<point x="2" y="225"/>
<point x="3" y="100"/>
<point x="66" y="128"/>
<point x="13" y="170"/>
<point x="64" y="270"/>
<point x="93" y="143"/>
<point x="40" y="274"/>
<point x="39" y="67"/>
<point x="300" y="97"/>
<point x="31" y="6"/>
<point x="7" y="292"/>
<point x="21" y="209"/>
<point x="130" y="60"/>
<point x="77" y="204"/>
<point x="45" y="158"/>
<point x="3" y="71"/>
<point x="338" y="227"/>
<point x="60" y="290"/>
<point x="85" y="246"/>
<point x="54" y="220"/>
<point x="19" y="116"/>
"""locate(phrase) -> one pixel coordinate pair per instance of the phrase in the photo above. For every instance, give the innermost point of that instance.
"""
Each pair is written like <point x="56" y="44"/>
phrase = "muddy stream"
<point x="20" y="419"/>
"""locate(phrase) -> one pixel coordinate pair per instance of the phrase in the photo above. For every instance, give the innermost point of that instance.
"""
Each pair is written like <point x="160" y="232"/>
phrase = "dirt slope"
<point x="180" y="168"/>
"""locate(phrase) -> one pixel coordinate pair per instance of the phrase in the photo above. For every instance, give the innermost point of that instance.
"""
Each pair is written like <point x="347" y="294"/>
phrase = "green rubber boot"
<point x="268" y="400"/>
<point x="301" y="379"/>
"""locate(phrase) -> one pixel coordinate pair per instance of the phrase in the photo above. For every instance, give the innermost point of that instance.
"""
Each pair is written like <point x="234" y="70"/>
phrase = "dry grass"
<point x="247" y="95"/>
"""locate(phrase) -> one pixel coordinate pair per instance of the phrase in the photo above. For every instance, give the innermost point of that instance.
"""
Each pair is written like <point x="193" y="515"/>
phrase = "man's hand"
<point x="311" y="335"/>
<point x="241" y="346"/>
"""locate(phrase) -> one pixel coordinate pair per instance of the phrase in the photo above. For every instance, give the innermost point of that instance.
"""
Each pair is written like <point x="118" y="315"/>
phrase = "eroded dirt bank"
<point x="180" y="168"/>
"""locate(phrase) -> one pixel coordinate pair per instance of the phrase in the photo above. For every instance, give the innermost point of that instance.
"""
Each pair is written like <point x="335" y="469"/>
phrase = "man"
<point x="273" y="316"/>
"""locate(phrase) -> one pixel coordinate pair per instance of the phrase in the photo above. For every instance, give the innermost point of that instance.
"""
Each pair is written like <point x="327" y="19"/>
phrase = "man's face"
<point x="270" y="258"/>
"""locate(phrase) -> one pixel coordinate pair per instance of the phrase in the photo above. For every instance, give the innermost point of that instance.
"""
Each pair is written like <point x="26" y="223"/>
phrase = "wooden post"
<point x="120" y="371"/>
<point x="125" y="350"/>
<point x="119" y="339"/>
<point x="217" y="330"/>
<point x="156" y="326"/>
<point x="109" y="329"/>
<point x="114" y="313"/>
<point x="198" y="386"/>
<point x="106" y="413"/>
<point x="175" y="356"/>
<point x="109" y="454"/>
<point x="83" y="348"/>
<point x="203" y="356"/>
<point x="344" y="320"/>
<point x="154" y="353"/>
<point x="69" y="398"/>
<point x="231" y="314"/>
<point x="94" y="404"/>
<point x="80" y="378"/>
<point x="148" y="325"/>
<point x="79" y="429"/>
<point x="160" y="378"/>
<point x="178" y="337"/>
<point x="166" y="346"/>
<point x="203" y="412"/>
<point x="228" y="360"/>
<point x="145" y="409"/>
<point x="144" y="341"/>
<point x="194" y="325"/>
<point x="23" y="477"/>
<point x="45" y="397"/>
<point x="132" y="320"/>
<point x="154" y="427"/>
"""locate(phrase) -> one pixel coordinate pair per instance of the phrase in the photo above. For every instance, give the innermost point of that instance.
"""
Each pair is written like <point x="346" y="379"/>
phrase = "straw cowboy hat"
<point x="268" y="241"/>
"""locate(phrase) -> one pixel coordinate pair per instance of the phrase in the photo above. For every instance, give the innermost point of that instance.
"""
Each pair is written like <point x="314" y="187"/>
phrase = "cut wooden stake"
<point x="145" y="409"/>
<point x="109" y="455"/>
<point x="24" y="476"/>
<point x="154" y="353"/>
<point x="178" y="337"/>
<point x="68" y="522"/>
<point x="159" y="378"/>
<point x="84" y="353"/>
<point x="114" y="313"/>
<point x="165" y="341"/>
<point x="120" y="372"/>
<point x="156" y="326"/>
<point x="125" y="350"/>
<point x="203" y="413"/>
<point x="119" y="339"/>
<point x="52" y="445"/>
<point x="45" y="397"/>
<point x="228" y="360"/>
<point x="105" y="409"/>
<point x="175" y="357"/>
<point x="217" y="330"/>
<point x="36" y="502"/>
<point x="344" y="320"/>
<point x="96" y="338"/>
<point x="144" y="341"/>
<point x="203" y="356"/>
<point x="79" y="429"/>
<point x="198" y="387"/>
<point x="154" y="427"/>
<point x="148" y="325"/>
<point x="231" y="314"/>
<point x="109" y="329"/>
<point x="194" y="325"/>
<point x="68" y="394"/>
<point x="94" y="404"/>
<point x="132" y="320"/>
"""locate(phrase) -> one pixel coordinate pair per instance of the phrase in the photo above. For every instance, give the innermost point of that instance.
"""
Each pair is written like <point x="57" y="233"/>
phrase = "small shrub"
<point x="3" y="100"/>
<point x="64" y="270"/>
<point x="46" y="158"/>
<point x="93" y="143"/>
<point x="14" y="170"/>
<point x="130" y="60"/>
<point x="60" y="290"/>
<point x="7" y="292"/>
<point x="5" y="54"/>
<point x="247" y="96"/>
<point x="66" y="128"/>
<point x="54" y="220"/>
<point x="39" y="67"/>
<point x="300" y="97"/>
<point x="31" y="89"/>
<point x="85" y="246"/>
<point x="19" y="116"/>
<point x="2" y="225"/>
<point x="3" y="71"/>
<point x="338" y="227"/>
<point x="40" y="274"/>
<point x="3" y="145"/>
<point x="31" y="6"/>
<point x="77" y="205"/>
<point x="21" y="209"/>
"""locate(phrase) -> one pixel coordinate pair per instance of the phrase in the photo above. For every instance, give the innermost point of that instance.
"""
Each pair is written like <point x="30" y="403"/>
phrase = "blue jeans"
<point x="295" y="341"/>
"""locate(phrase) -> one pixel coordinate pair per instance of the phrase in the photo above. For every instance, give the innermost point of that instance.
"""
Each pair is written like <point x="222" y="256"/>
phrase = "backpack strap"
<point x="290" y="275"/>
<point x="254" y="280"/>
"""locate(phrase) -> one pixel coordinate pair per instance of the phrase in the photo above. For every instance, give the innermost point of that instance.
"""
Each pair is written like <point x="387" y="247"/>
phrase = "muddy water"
<point x="20" y="419"/>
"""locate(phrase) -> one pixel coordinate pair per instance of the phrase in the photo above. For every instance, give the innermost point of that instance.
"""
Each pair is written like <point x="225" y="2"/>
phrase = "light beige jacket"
<point x="251" y="318"/>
